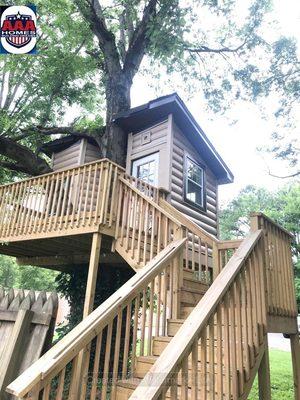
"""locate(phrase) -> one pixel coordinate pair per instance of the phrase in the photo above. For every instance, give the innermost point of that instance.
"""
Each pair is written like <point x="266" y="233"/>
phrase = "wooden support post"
<point x="215" y="260"/>
<point x="177" y="276"/>
<point x="82" y="362"/>
<point x="14" y="350"/>
<point x="295" y="349"/>
<point x="92" y="275"/>
<point x="264" y="381"/>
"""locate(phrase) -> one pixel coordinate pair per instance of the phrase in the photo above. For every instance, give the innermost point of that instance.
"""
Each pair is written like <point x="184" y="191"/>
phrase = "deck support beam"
<point x="80" y="382"/>
<point x="92" y="275"/>
<point x="295" y="349"/>
<point x="264" y="381"/>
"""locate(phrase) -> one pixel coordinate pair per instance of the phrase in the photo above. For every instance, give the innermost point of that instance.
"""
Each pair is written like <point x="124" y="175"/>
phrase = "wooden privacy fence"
<point x="64" y="369"/>
<point x="222" y="340"/>
<point x="26" y="329"/>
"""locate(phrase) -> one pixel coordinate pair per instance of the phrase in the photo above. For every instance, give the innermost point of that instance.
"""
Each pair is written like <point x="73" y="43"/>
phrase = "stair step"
<point x="125" y="389"/>
<point x="144" y="363"/>
<point x="161" y="342"/>
<point x="173" y="325"/>
<point x="191" y="297"/>
<point x="190" y="274"/>
<point x="185" y="311"/>
<point x="191" y="283"/>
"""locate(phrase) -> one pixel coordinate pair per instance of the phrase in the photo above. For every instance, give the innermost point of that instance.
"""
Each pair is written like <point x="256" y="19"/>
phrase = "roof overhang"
<point x="63" y="143"/>
<point x="140" y="117"/>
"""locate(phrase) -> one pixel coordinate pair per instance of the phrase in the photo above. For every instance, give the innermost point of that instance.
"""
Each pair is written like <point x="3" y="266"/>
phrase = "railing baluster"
<point x="60" y="386"/>
<point x="126" y="341"/>
<point x="233" y="349"/>
<point x="116" y="355"/>
<point x="105" y="378"/>
<point x="95" y="383"/>
<point x="239" y="335"/>
<point x="195" y="372"/>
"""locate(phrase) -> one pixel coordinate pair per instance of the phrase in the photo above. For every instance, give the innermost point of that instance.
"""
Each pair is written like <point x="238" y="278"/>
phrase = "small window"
<point x="194" y="183"/>
<point x="146" y="168"/>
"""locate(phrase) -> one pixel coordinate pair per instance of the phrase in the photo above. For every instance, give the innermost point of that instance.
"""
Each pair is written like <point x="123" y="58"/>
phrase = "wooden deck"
<point x="235" y="291"/>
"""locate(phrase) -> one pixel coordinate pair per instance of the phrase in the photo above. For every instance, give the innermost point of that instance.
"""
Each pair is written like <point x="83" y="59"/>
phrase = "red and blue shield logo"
<point x="18" y="29"/>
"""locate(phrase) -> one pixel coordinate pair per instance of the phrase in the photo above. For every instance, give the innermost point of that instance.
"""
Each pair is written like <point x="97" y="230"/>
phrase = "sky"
<point x="237" y="143"/>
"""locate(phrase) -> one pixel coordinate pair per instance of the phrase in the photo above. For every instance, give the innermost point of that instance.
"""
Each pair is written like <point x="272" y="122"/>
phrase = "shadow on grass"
<point x="281" y="377"/>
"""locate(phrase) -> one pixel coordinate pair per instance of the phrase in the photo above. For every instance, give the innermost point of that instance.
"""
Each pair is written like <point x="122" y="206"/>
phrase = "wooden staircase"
<point x="192" y="322"/>
<point x="191" y="293"/>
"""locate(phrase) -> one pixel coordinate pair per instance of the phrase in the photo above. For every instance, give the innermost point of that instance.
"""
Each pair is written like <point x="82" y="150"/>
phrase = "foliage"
<point x="36" y="90"/>
<point x="25" y="277"/>
<point x="282" y="386"/>
<point x="282" y="206"/>
<point x="88" y="50"/>
<point x="72" y="286"/>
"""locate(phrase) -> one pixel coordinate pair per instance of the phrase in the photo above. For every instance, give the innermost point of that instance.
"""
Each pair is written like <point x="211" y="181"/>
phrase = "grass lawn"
<point x="281" y="377"/>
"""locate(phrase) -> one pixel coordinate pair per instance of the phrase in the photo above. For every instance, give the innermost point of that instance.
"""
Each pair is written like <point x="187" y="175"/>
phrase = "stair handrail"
<point x="188" y="223"/>
<point x="75" y="346"/>
<point x="213" y="307"/>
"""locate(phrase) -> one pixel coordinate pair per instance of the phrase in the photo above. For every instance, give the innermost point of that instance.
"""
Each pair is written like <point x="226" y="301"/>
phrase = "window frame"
<point x="137" y="162"/>
<point x="186" y="180"/>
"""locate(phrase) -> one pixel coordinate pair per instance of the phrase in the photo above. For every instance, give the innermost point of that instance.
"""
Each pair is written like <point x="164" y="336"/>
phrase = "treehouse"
<point x="192" y="322"/>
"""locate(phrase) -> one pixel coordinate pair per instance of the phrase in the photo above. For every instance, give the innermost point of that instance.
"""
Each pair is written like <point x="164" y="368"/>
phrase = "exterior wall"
<point x="92" y="153"/>
<point x="79" y="153"/>
<point x="172" y="145"/>
<point x="67" y="158"/>
<point x="180" y="148"/>
<point x="157" y="138"/>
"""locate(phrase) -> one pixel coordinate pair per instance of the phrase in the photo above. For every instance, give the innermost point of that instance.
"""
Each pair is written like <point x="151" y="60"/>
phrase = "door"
<point x="146" y="168"/>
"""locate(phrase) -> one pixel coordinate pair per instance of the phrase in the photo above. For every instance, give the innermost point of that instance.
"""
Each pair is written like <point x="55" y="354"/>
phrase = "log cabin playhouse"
<point x="192" y="322"/>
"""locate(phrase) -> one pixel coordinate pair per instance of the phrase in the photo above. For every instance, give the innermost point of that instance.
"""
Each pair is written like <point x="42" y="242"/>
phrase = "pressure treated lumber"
<point x="264" y="381"/>
<point x="295" y="349"/>
<point x="13" y="353"/>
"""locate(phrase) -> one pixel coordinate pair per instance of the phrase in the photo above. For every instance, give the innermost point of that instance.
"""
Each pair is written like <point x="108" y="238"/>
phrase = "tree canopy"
<point x="90" y="52"/>
<point x="25" y="277"/>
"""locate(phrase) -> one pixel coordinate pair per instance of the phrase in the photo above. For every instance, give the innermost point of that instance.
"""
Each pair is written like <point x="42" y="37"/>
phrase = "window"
<point x="194" y="183"/>
<point x="146" y="168"/>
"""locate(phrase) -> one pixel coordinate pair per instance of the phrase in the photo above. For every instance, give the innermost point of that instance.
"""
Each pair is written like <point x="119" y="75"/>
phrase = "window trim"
<point x="148" y="158"/>
<point x="186" y="179"/>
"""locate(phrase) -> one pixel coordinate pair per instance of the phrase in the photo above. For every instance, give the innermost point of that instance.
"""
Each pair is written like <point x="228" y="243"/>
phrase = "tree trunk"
<point x="117" y="100"/>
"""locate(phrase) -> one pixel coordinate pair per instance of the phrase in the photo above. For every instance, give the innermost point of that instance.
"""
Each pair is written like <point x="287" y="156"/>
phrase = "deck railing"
<point x="71" y="201"/>
<point x="198" y="254"/>
<point x="156" y="237"/>
<point x="281" y="298"/>
<point x="114" y="334"/>
<point x="219" y="346"/>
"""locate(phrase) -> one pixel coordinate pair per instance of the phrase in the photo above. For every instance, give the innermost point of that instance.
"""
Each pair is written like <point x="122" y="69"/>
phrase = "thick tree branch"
<point x="93" y="13"/>
<point x="25" y="160"/>
<point x="139" y="41"/>
<point x="13" y="167"/>
<point x="97" y="135"/>
<point x="61" y="130"/>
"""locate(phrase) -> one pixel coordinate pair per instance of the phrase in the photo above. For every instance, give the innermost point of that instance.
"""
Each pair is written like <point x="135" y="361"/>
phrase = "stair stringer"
<point x="254" y="370"/>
